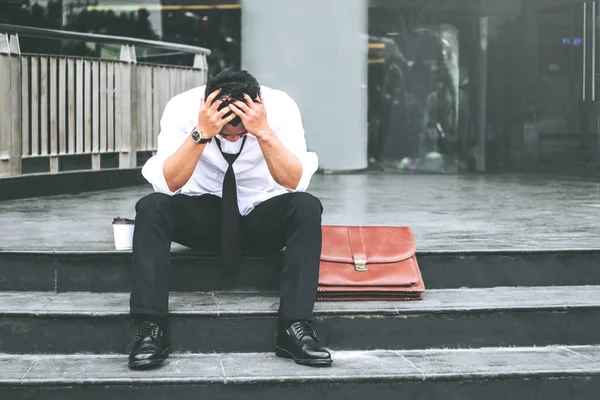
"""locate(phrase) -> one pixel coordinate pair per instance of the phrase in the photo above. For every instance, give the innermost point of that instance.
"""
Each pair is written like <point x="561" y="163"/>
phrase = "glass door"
<point x="417" y="86"/>
<point x="566" y="118"/>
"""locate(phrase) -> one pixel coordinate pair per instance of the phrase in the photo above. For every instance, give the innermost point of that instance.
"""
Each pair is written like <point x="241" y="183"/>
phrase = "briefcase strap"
<point x="357" y="246"/>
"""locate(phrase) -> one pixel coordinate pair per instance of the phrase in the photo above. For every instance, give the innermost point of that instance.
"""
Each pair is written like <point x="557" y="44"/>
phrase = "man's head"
<point x="233" y="84"/>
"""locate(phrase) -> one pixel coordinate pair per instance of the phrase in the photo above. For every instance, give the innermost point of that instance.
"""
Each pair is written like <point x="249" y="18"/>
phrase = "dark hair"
<point x="234" y="83"/>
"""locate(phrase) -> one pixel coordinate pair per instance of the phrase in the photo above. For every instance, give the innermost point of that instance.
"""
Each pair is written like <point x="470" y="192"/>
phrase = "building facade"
<point x="445" y="86"/>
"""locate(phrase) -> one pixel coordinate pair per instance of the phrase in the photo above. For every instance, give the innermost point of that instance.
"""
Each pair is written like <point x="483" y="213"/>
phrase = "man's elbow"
<point x="292" y="181"/>
<point x="171" y="184"/>
<point x="290" y="185"/>
<point x="173" y="188"/>
<point x="170" y="178"/>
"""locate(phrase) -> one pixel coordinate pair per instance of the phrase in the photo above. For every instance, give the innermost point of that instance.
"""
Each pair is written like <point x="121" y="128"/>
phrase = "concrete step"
<point x="193" y="272"/>
<point x="34" y="322"/>
<point x="493" y="373"/>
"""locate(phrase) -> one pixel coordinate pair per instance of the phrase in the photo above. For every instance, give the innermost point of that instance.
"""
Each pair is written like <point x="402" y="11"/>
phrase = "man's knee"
<point x="306" y="205"/>
<point x="153" y="203"/>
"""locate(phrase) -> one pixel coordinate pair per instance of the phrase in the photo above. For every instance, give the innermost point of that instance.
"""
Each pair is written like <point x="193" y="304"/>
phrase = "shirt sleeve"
<point x="172" y="135"/>
<point x="291" y="134"/>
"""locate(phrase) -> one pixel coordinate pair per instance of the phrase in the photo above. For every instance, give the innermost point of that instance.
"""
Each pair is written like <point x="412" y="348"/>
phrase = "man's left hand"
<point x="253" y="115"/>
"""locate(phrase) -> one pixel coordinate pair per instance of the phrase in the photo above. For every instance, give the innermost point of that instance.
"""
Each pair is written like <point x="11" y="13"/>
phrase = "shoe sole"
<point x="279" y="352"/>
<point x="149" y="364"/>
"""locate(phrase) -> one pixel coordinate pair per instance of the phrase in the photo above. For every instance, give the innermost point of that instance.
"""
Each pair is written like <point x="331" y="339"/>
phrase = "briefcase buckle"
<point x="360" y="266"/>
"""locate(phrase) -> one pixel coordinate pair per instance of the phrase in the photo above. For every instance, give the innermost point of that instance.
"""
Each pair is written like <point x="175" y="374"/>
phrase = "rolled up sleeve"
<point x="291" y="135"/>
<point x="172" y="135"/>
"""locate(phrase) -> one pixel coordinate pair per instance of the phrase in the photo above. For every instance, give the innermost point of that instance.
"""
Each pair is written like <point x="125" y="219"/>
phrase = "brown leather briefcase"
<point x="369" y="263"/>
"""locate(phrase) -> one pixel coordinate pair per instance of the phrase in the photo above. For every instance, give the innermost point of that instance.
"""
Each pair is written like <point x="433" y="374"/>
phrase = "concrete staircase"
<point x="518" y="325"/>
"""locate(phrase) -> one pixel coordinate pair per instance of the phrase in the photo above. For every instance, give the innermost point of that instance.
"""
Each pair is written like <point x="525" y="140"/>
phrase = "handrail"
<point x="93" y="37"/>
<point x="53" y="107"/>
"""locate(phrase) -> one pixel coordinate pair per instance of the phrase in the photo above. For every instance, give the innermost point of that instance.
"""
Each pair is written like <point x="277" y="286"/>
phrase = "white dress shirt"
<point x="254" y="181"/>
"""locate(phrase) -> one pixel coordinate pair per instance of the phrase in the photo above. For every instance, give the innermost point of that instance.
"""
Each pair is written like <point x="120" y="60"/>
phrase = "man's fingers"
<point x="215" y="106"/>
<point x="250" y="101"/>
<point x="237" y="111"/>
<point x="213" y="96"/>
<point x="229" y="118"/>
<point x="242" y="106"/>
<point x="213" y="102"/>
<point x="224" y="111"/>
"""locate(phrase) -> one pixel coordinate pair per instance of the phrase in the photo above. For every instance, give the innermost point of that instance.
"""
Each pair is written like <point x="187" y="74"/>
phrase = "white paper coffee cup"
<point x="123" y="232"/>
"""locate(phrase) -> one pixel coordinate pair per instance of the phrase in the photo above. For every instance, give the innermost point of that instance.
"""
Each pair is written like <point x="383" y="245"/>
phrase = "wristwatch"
<point x="198" y="138"/>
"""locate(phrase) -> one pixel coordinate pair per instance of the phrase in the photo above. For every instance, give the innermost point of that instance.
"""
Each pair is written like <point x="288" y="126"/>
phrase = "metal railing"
<point x="56" y="107"/>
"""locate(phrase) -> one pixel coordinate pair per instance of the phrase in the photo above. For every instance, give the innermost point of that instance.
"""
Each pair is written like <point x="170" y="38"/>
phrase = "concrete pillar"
<point x="316" y="51"/>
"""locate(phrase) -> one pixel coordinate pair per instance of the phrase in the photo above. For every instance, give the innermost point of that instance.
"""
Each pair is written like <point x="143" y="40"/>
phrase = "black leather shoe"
<point x="151" y="346"/>
<point x="299" y="342"/>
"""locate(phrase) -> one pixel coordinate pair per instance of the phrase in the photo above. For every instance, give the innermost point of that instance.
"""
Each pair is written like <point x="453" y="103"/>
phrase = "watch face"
<point x="196" y="136"/>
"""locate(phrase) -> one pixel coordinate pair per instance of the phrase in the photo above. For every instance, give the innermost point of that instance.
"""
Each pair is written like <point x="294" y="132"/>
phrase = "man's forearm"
<point x="284" y="166"/>
<point x="178" y="168"/>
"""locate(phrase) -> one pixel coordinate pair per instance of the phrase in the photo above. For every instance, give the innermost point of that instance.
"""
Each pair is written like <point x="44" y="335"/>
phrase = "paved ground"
<point x="255" y="368"/>
<point x="446" y="212"/>
<point x="228" y="304"/>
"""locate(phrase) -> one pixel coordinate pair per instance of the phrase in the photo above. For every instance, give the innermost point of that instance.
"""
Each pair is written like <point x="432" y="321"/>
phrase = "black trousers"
<point x="291" y="220"/>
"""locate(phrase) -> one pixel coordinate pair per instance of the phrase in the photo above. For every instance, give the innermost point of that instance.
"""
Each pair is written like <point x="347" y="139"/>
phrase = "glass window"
<point x="453" y="86"/>
<point x="484" y="86"/>
<point x="199" y="23"/>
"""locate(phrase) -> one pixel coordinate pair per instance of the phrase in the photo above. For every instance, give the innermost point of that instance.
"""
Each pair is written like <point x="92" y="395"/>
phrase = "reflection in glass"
<point x="414" y="101"/>
<point x="198" y="23"/>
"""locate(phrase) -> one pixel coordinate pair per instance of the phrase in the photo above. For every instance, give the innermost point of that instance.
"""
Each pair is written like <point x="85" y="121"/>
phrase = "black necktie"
<point x="230" y="217"/>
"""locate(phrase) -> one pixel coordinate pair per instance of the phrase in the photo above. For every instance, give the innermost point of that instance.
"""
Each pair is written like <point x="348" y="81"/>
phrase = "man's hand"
<point x="210" y="120"/>
<point x="253" y="115"/>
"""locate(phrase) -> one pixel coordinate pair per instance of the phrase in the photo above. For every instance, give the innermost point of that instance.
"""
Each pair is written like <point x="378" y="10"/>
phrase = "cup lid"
<point x="123" y="221"/>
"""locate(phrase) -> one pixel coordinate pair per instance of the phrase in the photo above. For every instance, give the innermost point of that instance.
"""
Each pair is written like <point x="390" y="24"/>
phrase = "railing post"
<point x="130" y="112"/>
<point x="201" y="63"/>
<point x="10" y="100"/>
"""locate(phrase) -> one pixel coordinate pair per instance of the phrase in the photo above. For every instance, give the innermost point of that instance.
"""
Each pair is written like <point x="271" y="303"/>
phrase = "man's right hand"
<point x="210" y="120"/>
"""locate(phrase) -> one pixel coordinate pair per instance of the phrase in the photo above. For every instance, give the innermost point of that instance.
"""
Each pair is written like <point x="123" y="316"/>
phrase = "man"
<point x="229" y="175"/>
